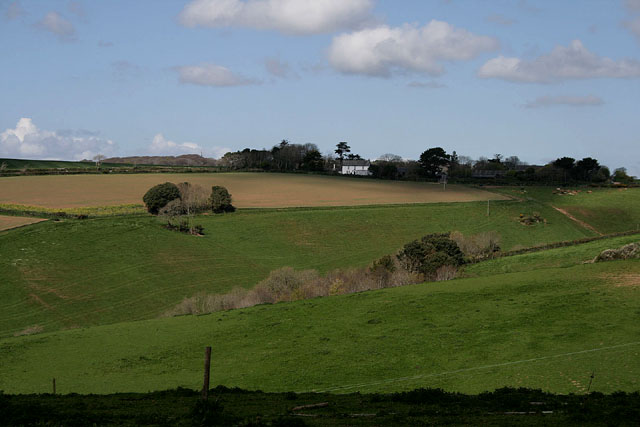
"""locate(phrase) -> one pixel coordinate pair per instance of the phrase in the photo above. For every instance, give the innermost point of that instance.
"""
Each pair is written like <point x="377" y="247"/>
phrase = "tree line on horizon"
<point x="433" y="164"/>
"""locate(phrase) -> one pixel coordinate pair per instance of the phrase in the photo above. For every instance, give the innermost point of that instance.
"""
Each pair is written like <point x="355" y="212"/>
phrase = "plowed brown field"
<point x="249" y="190"/>
<point x="7" y="222"/>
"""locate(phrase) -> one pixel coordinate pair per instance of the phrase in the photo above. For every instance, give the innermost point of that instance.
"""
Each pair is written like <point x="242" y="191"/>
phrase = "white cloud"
<point x="14" y="11"/>
<point x="161" y="146"/>
<point x="383" y="50"/>
<point x="571" y="62"/>
<point x="634" y="26"/>
<point x="27" y="141"/>
<point x="571" y="101"/>
<point x="211" y="75"/>
<point x="287" y="16"/>
<point x="56" y="24"/>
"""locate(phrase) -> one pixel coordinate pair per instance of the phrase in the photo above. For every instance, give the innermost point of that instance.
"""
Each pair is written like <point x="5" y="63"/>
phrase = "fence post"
<point x="207" y="367"/>
<point x="54" y="386"/>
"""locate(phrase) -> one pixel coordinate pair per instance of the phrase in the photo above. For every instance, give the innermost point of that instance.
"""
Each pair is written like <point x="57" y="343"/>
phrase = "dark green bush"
<point x="433" y="251"/>
<point x="157" y="197"/>
<point x="220" y="200"/>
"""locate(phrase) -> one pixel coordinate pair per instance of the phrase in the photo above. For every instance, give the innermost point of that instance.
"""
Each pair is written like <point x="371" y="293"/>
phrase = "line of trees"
<point x="433" y="164"/>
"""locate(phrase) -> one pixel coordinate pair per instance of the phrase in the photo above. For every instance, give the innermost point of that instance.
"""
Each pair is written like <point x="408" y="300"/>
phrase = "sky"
<point x="537" y="79"/>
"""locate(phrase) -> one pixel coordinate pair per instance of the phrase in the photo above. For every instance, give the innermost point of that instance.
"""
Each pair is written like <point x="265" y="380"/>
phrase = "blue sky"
<point x="537" y="79"/>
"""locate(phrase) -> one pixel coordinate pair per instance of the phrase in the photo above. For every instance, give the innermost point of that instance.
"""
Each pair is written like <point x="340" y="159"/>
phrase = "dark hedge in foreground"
<point x="226" y="406"/>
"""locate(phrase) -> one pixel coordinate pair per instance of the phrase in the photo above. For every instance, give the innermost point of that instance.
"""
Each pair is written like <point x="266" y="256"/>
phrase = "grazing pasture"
<point x="547" y="328"/>
<point x="249" y="190"/>
<point x="607" y="210"/>
<point x="8" y="222"/>
<point x="72" y="273"/>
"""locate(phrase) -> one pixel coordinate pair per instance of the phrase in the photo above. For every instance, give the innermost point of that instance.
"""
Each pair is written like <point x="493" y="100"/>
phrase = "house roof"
<point x="356" y="162"/>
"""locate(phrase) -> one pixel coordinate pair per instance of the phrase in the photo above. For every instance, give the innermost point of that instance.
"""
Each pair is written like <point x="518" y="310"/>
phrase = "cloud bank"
<point x="211" y="75"/>
<point x="563" y="63"/>
<point x="56" y="24"/>
<point x="383" y="50"/>
<point x="161" y="146"/>
<point x="27" y="141"/>
<point x="287" y="16"/>
<point x="571" y="101"/>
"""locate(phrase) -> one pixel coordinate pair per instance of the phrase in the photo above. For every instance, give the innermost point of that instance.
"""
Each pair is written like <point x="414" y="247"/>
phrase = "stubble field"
<point x="9" y="222"/>
<point x="249" y="190"/>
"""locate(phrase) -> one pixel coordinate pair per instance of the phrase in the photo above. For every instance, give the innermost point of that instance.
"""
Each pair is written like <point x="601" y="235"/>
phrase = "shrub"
<point x="478" y="246"/>
<point x="426" y="255"/>
<point x="630" y="251"/>
<point x="284" y="284"/>
<point x="172" y="209"/>
<point x="194" y="198"/>
<point x="220" y="200"/>
<point x="158" y="196"/>
<point x="446" y="272"/>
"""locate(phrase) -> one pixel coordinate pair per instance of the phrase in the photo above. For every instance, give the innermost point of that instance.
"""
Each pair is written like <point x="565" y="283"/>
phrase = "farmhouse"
<point x="355" y="167"/>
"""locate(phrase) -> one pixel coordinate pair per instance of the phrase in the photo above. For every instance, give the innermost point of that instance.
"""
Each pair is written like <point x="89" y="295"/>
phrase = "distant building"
<point x="355" y="167"/>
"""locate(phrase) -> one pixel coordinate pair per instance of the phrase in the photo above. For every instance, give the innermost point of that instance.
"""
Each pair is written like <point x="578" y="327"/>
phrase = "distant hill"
<point x="183" y="160"/>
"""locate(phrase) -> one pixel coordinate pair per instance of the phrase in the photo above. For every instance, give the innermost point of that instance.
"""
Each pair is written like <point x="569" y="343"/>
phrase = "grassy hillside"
<point x="77" y="273"/>
<point x="608" y="210"/>
<point x="546" y="328"/>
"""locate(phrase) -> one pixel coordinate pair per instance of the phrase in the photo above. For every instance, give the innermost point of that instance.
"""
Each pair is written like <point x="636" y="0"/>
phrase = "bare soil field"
<point x="249" y="190"/>
<point x="8" y="222"/>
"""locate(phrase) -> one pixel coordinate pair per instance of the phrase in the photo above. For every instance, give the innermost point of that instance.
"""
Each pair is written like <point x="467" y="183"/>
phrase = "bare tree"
<point x="98" y="158"/>
<point x="194" y="199"/>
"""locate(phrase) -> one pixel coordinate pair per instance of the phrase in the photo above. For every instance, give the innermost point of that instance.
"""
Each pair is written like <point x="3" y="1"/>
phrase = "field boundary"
<point x="555" y="245"/>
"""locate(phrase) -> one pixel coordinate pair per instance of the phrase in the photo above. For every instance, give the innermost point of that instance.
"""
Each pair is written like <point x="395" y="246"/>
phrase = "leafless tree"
<point x="98" y="158"/>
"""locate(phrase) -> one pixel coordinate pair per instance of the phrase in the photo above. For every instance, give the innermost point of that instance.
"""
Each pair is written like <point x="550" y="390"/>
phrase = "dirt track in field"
<point x="249" y="190"/>
<point x="8" y="222"/>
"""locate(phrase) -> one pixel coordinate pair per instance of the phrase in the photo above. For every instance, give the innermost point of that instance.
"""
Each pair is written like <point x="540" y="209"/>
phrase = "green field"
<point x="74" y="273"/>
<point x="85" y="297"/>
<point x="547" y="327"/>
<point x="608" y="210"/>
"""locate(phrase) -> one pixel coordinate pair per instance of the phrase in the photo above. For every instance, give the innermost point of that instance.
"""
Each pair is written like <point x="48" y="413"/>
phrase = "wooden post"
<point x="207" y="368"/>
<point x="54" y="386"/>
<point x="488" y="207"/>
<point x="593" y="374"/>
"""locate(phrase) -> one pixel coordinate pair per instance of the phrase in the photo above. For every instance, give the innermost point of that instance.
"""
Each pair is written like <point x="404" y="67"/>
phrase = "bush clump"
<point x="220" y="200"/>
<point x="478" y="246"/>
<point x="630" y="251"/>
<point x="159" y="196"/>
<point x="427" y="255"/>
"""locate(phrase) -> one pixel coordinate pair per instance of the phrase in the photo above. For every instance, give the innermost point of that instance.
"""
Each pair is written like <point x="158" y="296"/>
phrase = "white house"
<point x="355" y="167"/>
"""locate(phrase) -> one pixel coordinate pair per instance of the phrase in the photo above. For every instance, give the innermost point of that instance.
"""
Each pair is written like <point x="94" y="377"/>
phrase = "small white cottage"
<point x="355" y="167"/>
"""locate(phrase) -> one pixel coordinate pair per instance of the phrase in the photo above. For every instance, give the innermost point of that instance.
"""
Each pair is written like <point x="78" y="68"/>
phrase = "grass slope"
<point x="78" y="273"/>
<point x="545" y="328"/>
<point x="608" y="210"/>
